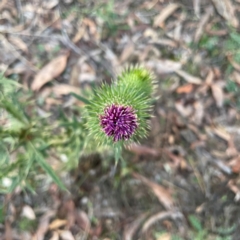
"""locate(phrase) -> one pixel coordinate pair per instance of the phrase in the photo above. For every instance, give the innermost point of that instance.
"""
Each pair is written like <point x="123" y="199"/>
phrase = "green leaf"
<point x="15" y="112"/>
<point x="1" y="214"/>
<point x="195" y="223"/>
<point x="4" y="156"/>
<point x="15" y="182"/>
<point x="235" y="37"/>
<point x="47" y="168"/>
<point x="175" y="237"/>
<point x="231" y="86"/>
<point x="80" y="98"/>
<point x="5" y="81"/>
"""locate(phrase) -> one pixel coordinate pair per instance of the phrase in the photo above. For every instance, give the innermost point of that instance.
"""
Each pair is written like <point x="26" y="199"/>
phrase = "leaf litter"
<point x="185" y="44"/>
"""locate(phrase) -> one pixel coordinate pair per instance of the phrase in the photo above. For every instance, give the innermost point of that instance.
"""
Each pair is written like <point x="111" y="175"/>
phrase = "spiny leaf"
<point x="13" y="110"/>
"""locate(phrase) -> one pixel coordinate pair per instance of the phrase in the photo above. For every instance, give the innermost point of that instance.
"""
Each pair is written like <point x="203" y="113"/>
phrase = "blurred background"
<point x="182" y="182"/>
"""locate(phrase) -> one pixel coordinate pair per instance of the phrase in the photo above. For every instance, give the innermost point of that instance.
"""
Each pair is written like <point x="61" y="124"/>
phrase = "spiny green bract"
<point x="134" y="88"/>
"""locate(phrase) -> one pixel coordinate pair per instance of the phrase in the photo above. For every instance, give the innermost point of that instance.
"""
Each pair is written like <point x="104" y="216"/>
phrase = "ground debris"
<point x="56" y="48"/>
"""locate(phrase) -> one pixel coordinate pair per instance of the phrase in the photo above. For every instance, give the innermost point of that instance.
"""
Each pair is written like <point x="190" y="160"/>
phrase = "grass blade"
<point x="47" y="168"/>
<point x="80" y="98"/>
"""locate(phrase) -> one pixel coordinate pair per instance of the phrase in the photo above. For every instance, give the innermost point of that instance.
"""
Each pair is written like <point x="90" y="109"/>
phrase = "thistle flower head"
<point x="120" y="112"/>
<point x="120" y="122"/>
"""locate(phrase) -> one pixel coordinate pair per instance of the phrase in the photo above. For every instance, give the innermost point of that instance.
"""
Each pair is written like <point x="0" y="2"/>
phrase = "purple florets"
<point x="119" y="122"/>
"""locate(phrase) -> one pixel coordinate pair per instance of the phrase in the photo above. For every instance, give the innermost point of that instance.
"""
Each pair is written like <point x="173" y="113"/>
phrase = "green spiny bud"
<point x="137" y="78"/>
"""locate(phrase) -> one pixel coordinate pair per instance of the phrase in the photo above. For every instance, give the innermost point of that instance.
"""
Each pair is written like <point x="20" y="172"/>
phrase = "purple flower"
<point x="119" y="122"/>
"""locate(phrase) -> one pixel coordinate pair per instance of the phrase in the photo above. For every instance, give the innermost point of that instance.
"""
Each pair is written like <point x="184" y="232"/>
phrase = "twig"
<point x="19" y="9"/>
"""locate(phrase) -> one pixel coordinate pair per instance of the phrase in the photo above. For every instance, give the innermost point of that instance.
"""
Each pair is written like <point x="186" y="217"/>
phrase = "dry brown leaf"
<point x="160" y="192"/>
<point x="150" y="4"/>
<point x="79" y="34"/>
<point x="49" y="72"/>
<point x="151" y="34"/>
<point x="231" y="150"/>
<point x="55" y="236"/>
<point x="165" y="236"/>
<point x="75" y="72"/>
<point x="218" y="95"/>
<point x="131" y="229"/>
<point x="201" y="136"/>
<point x="57" y="223"/>
<point x="88" y="77"/>
<point x="28" y="212"/>
<point x="8" y="231"/>
<point x="142" y="150"/>
<point x="43" y="225"/>
<point x="17" y="55"/>
<point x="177" y="33"/>
<point x="222" y="133"/>
<point x="196" y="7"/>
<point x="66" y="235"/>
<point x="17" y="69"/>
<point x="24" y="235"/>
<point x="235" y="164"/>
<point x="96" y="230"/>
<point x="189" y="78"/>
<point x="91" y="24"/>
<point x="233" y="63"/>
<point x="127" y="52"/>
<point x="187" y="88"/>
<point x="160" y="216"/>
<point x="221" y="32"/>
<point x="165" y="42"/>
<point x="185" y="111"/>
<point x="49" y="4"/>
<point x="64" y="89"/>
<point x="70" y="211"/>
<point x="113" y="59"/>
<point x="165" y="13"/>
<point x="18" y="42"/>
<point x="164" y="66"/>
<point x="68" y="206"/>
<point x="209" y="78"/>
<point x="198" y="113"/>
<point x="232" y="185"/>
<point x="236" y="77"/>
<point x="83" y="221"/>
<point x="52" y="101"/>
<point x="202" y="24"/>
<point x="3" y="3"/>
<point x="226" y="9"/>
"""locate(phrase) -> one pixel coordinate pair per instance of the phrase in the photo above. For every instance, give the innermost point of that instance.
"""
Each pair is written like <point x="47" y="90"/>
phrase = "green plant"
<point x="232" y="45"/>
<point x="232" y="87"/>
<point x="24" y="139"/>
<point x="201" y="233"/>
<point x="112" y="22"/>
<point x="29" y="141"/>
<point x="119" y="113"/>
<point x="26" y="224"/>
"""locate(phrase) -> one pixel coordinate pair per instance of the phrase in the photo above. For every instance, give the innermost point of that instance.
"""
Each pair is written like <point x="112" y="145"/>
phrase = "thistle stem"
<point x="117" y="156"/>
